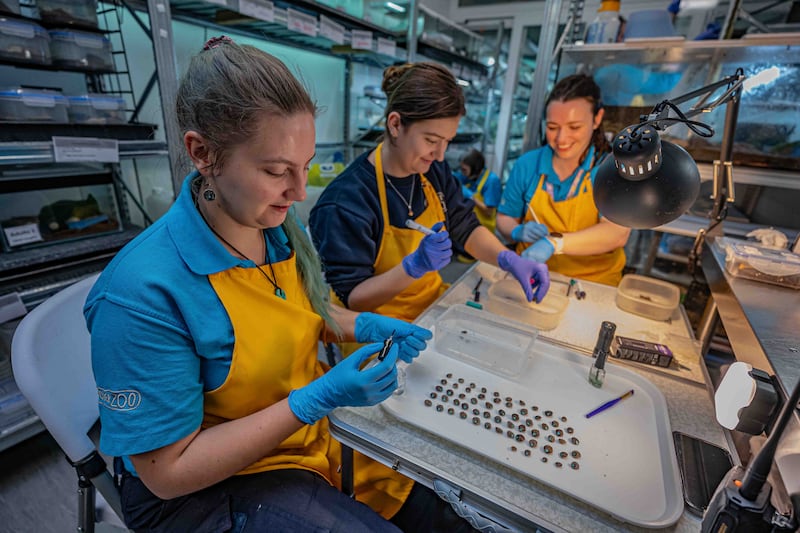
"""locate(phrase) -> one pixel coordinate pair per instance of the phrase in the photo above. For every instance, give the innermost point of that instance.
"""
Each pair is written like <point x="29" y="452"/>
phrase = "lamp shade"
<point x="652" y="201"/>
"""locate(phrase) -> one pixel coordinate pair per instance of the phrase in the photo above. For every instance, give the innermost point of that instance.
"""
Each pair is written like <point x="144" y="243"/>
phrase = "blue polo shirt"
<point x="160" y="335"/>
<point x="491" y="190"/>
<point x="525" y="176"/>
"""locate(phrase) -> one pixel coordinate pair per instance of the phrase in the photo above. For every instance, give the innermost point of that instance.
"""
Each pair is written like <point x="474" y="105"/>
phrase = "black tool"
<point x="387" y="345"/>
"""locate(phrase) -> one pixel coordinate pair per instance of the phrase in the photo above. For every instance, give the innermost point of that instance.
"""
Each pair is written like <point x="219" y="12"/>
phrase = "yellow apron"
<point x="275" y="351"/>
<point x="490" y="221"/>
<point x="574" y="214"/>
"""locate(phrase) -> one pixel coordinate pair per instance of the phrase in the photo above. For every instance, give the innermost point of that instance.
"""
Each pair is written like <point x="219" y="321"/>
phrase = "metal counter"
<point x="519" y="502"/>
<point x="762" y="322"/>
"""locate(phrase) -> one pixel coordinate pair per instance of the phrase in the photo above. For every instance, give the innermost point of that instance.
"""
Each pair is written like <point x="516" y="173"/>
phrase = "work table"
<point x="501" y="493"/>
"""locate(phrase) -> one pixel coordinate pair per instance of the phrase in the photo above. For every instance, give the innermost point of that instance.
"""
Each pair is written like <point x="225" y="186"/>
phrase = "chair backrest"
<point x="51" y="360"/>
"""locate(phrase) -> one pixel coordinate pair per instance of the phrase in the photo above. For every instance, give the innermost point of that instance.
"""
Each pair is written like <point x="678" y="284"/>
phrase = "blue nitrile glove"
<point x="411" y="339"/>
<point x="674" y="7"/>
<point x="540" y="251"/>
<point x="711" y="32"/>
<point x="433" y="253"/>
<point x="529" y="232"/>
<point x="466" y="192"/>
<point x="346" y="385"/>
<point x="528" y="273"/>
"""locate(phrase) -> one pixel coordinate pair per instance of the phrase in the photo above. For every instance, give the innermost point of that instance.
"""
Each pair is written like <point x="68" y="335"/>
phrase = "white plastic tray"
<point x="627" y="465"/>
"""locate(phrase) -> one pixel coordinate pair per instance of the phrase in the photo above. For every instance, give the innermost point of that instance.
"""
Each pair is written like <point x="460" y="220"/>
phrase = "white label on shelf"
<point x="218" y="2"/>
<point x="74" y="149"/>
<point x="11" y="306"/>
<point x="258" y="9"/>
<point x="330" y="29"/>
<point x="387" y="47"/>
<point x="361" y="40"/>
<point x="302" y="23"/>
<point x="25" y="234"/>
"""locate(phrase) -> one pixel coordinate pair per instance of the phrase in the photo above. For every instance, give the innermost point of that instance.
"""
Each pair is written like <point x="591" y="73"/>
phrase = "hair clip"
<point x="217" y="41"/>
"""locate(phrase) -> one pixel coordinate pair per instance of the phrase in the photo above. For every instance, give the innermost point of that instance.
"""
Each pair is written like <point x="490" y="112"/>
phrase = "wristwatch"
<point x="557" y="240"/>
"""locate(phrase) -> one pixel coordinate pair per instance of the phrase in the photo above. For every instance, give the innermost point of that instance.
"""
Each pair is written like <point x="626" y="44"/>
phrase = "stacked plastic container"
<point x="19" y="104"/>
<point x="24" y="41"/>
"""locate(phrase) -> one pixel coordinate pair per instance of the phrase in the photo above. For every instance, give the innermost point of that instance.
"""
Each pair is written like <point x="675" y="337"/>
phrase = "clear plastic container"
<point x="746" y="260"/>
<point x="32" y="105"/>
<point x="45" y="216"/>
<point x="648" y="297"/>
<point x="483" y="340"/>
<point x="9" y="6"/>
<point x="82" y="12"/>
<point x="77" y="49"/>
<point x="507" y="299"/>
<point x="21" y="40"/>
<point x="96" y="109"/>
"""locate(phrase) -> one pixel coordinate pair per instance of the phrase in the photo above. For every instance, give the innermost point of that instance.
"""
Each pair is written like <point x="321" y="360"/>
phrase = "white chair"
<point x="51" y="359"/>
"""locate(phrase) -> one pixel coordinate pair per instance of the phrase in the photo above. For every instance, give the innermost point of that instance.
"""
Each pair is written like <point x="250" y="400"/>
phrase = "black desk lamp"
<point x="649" y="182"/>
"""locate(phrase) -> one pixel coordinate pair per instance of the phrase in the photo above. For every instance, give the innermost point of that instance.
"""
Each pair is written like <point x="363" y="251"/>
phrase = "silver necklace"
<point x="410" y="196"/>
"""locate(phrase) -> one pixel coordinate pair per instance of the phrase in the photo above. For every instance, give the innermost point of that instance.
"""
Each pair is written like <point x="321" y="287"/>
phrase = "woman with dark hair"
<point x="482" y="186"/>
<point x="205" y="330"/>
<point x="372" y="260"/>
<point x="548" y="208"/>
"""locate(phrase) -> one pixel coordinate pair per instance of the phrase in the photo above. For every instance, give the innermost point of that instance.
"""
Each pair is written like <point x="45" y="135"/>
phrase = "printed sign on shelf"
<point x="301" y="23"/>
<point x="24" y="234"/>
<point x="77" y="149"/>
<point x="330" y="29"/>
<point x="361" y="39"/>
<point x="387" y="47"/>
<point x="258" y="9"/>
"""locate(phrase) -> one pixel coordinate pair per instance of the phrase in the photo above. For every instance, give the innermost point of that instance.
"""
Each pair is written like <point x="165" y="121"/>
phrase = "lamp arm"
<point x="734" y="83"/>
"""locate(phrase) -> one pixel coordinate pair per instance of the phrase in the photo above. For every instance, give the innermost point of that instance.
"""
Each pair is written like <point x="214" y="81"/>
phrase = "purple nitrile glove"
<point x="528" y="273"/>
<point x="466" y="192"/>
<point x="346" y="385"/>
<point x="540" y="251"/>
<point x="434" y="252"/>
<point x="529" y="232"/>
<point x="410" y="339"/>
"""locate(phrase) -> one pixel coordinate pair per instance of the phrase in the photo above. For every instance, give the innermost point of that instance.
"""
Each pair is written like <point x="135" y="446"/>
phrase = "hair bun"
<point x="217" y="41"/>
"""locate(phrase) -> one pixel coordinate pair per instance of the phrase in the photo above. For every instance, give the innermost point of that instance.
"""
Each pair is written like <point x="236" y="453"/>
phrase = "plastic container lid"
<point x="18" y="28"/>
<point x="34" y="98"/>
<point x="507" y="299"/>
<point x="86" y="40"/>
<point x="98" y="101"/>
<point x="647" y="297"/>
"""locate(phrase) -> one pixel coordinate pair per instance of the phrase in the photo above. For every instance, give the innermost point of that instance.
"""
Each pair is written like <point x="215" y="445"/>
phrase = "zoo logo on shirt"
<point x="123" y="400"/>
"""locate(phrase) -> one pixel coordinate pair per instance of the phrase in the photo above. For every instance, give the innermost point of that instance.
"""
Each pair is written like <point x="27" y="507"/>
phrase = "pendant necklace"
<point x="403" y="198"/>
<point x="279" y="292"/>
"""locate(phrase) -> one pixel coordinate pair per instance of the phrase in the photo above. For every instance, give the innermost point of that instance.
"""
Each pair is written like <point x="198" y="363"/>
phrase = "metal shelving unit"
<point x="29" y="164"/>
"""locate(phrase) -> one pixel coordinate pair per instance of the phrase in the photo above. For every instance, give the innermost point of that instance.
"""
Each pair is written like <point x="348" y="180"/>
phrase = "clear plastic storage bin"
<point x="507" y="299"/>
<point x="96" y="109"/>
<point x="9" y="6"/>
<point x="21" y="40"/>
<point x="68" y="11"/>
<point x="480" y="339"/>
<point x="647" y="297"/>
<point x="747" y="260"/>
<point x="77" y="49"/>
<point x="45" y="216"/>
<point x="32" y="105"/>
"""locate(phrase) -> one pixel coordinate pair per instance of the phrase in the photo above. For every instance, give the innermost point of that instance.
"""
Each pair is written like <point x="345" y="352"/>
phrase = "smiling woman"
<point x="547" y="206"/>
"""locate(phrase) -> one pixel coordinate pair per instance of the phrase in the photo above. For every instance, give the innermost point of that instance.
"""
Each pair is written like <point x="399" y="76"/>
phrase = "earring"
<point x="209" y="195"/>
